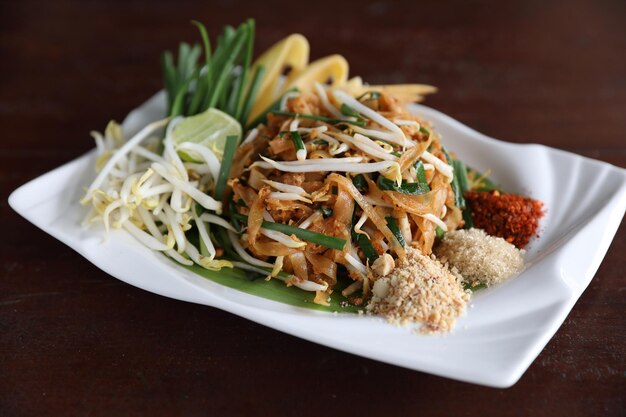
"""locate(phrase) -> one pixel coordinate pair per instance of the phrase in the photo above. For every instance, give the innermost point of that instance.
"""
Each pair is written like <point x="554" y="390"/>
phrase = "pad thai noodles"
<point x="294" y="171"/>
<point x="363" y="175"/>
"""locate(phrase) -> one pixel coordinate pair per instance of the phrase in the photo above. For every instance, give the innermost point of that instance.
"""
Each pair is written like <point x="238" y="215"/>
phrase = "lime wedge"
<point x="210" y="129"/>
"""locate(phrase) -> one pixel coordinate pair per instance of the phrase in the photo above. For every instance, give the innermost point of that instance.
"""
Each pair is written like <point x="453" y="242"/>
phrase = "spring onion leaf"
<point x="440" y="232"/>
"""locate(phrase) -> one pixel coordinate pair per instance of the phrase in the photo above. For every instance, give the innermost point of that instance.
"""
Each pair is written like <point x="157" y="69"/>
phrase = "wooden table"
<point x="74" y="341"/>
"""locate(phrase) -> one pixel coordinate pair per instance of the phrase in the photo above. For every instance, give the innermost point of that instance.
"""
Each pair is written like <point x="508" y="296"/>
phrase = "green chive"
<point x="486" y="183"/>
<point x="440" y="232"/>
<point x="346" y="110"/>
<point x="217" y="86"/>
<point x="178" y="106"/>
<point x="234" y="47"/>
<point x="183" y="53"/>
<point x="240" y="93"/>
<point x="297" y="140"/>
<point x="205" y="41"/>
<point x="231" y="95"/>
<point x="198" y="95"/>
<point x="393" y="226"/>
<point x="275" y="106"/>
<point x="460" y="171"/>
<point x="304" y="234"/>
<point x="227" y="160"/>
<point x="421" y="174"/>
<point x="366" y="246"/>
<point x="456" y="188"/>
<point x="364" y="243"/>
<point x="320" y="118"/>
<point x="326" y="211"/>
<point x="467" y="218"/>
<point x="253" y="90"/>
<point x="468" y="286"/>
<point x="374" y="95"/>
<point x="360" y="183"/>
<point x="308" y="235"/>
<point x="410" y="188"/>
<point x="169" y="77"/>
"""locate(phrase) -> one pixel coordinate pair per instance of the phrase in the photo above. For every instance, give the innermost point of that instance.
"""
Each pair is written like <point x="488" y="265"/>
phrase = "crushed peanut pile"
<point x="419" y="291"/>
<point x="480" y="258"/>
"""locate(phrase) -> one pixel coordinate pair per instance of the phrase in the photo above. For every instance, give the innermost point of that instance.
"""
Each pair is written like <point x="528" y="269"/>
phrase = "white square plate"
<point x="493" y="344"/>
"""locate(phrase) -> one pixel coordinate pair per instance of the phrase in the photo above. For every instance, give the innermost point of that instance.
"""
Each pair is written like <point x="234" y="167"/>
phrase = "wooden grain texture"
<point x="74" y="341"/>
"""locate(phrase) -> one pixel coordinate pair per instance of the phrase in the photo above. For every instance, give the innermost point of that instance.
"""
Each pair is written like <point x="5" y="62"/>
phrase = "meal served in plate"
<point x="295" y="172"/>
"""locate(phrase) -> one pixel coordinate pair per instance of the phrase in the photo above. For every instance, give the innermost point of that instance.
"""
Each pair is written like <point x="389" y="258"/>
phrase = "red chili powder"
<point x="512" y="217"/>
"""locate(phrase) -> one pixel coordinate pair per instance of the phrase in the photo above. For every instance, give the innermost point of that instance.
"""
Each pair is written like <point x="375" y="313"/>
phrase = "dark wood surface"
<point x="75" y="341"/>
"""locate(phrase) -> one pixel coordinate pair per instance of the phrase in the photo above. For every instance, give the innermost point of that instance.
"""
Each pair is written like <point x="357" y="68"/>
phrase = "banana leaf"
<point x="276" y="290"/>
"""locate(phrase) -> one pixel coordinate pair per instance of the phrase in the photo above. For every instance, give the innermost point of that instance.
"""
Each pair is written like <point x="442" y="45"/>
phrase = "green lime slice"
<point x="209" y="129"/>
